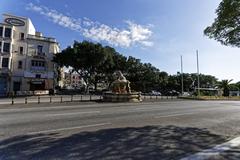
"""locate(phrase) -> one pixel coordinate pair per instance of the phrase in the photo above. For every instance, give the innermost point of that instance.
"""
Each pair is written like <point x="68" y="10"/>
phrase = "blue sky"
<point x="156" y="31"/>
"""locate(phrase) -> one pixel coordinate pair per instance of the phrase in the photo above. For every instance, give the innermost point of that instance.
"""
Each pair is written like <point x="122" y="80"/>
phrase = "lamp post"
<point x="182" y="73"/>
<point x="198" y="74"/>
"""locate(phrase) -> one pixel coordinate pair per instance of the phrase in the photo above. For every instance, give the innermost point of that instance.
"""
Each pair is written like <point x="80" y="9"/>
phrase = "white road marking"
<point x="215" y="151"/>
<point x="73" y="113"/>
<point x="46" y="108"/>
<point x="148" y="108"/>
<point x="3" y="110"/>
<point x="176" y="114"/>
<point x="70" y="128"/>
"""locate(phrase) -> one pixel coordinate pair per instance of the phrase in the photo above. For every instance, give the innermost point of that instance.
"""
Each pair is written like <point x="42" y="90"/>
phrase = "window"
<point x="38" y="63"/>
<point x="22" y="36"/>
<point x="8" y="32"/>
<point x="38" y="75"/>
<point x="21" y="50"/>
<point x="19" y="64"/>
<point x="40" y="49"/>
<point x="1" y="31"/>
<point x="0" y="46"/>
<point x="5" y="62"/>
<point x="6" y="47"/>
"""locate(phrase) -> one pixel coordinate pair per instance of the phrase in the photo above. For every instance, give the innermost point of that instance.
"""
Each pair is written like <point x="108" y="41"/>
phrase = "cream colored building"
<point x="73" y="81"/>
<point x="25" y="57"/>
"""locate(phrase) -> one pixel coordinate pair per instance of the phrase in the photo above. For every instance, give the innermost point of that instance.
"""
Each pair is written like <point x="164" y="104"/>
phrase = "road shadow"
<point x="142" y="143"/>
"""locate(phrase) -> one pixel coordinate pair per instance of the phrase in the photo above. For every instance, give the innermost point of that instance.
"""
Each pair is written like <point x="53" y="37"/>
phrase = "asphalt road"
<point x="167" y="129"/>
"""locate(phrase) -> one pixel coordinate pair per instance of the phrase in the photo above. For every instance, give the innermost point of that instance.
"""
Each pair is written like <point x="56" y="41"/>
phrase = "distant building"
<point x="25" y="57"/>
<point x="234" y="93"/>
<point x="209" y="91"/>
<point x="73" y="81"/>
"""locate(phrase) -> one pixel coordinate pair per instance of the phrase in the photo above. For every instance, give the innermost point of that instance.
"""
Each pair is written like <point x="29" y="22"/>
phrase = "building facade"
<point x="25" y="57"/>
<point x="73" y="81"/>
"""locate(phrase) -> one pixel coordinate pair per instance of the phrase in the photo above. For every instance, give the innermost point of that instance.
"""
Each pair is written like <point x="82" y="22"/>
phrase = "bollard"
<point x="150" y="96"/>
<point x="50" y="99"/>
<point x="71" y="98"/>
<point x="156" y="97"/>
<point x="12" y="101"/>
<point x="61" y="99"/>
<point x="38" y="99"/>
<point x="81" y="98"/>
<point x="26" y="100"/>
<point x="90" y="98"/>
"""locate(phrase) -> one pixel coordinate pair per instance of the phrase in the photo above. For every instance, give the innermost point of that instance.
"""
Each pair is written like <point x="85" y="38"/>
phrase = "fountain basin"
<point x="122" y="97"/>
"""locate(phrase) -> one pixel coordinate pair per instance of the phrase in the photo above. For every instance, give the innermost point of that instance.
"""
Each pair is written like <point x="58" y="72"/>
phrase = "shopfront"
<point x="3" y="86"/>
<point x="37" y="85"/>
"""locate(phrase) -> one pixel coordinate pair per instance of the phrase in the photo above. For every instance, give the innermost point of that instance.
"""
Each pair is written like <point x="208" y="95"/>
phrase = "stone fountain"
<point x="121" y="91"/>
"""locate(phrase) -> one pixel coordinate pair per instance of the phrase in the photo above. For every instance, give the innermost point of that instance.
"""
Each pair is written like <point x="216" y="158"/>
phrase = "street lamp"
<point x="198" y="75"/>
<point x="182" y="73"/>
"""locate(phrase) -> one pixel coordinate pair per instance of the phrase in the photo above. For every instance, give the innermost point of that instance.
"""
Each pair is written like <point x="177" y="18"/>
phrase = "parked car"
<point x="155" y="93"/>
<point x="173" y="93"/>
<point x="186" y="94"/>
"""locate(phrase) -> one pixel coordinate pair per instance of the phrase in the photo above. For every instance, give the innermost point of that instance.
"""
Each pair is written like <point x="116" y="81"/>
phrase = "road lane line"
<point x="46" y="108"/>
<point x="175" y="115"/>
<point x="215" y="151"/>
<point x="73" y="113"/>
<point x="70" y="128"/>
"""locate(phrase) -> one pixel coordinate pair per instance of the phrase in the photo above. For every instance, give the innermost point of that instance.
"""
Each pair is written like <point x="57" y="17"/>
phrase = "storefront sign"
<point x="37" y="82"/>
<point x="14" y="22"/>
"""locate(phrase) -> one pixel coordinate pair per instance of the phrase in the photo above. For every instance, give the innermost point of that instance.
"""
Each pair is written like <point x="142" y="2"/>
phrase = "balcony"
<point x="48" y="39"/>
<point x="41" y="69"/>
<point x="38" y="55"/>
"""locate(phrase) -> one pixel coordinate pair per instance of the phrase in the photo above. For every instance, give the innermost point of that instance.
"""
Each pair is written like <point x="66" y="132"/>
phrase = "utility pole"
<point x="198" y="74"/>
<point x="182" y="73"/>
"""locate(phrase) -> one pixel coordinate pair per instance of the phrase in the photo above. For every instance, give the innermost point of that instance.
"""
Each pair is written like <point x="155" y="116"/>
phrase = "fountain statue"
<point x="121" y="91"/>
<point x="121" y="84"/>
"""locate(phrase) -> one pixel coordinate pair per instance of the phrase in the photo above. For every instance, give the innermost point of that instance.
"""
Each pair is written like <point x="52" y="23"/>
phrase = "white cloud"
<point x="132" y="35"/>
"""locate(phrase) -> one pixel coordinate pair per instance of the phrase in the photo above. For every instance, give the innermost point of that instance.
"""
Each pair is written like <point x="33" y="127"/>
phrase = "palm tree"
<point x="224" y="84"/>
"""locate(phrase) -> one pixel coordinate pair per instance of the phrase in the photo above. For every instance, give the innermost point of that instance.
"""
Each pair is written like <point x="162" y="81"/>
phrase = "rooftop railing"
<point x="42" y="38"/>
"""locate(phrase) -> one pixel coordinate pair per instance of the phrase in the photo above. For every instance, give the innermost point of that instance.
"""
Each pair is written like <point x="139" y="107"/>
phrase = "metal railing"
<point x="70" y="98"/>
<point x="51" y="99"/>
<point x="157" y="97"/>
<point x="42" y="38"/>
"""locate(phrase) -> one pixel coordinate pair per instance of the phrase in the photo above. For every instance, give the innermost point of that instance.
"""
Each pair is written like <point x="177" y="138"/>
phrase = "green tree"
<point x="225" y="85"/>
<point x="89" y="60"/>
<point x="233" y="87"/>
<point x="226" y="27"/>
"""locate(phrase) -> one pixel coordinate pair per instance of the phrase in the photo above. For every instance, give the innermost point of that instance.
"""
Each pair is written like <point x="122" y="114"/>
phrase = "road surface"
<point x="167" y="129"/>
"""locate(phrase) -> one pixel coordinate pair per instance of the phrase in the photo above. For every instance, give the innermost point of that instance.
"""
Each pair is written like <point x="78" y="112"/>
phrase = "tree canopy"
<point x="225" y="85"/>
<point x="226" y="27"/>
<point x="96" y="63"/>
<point x="88" y="59"/>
